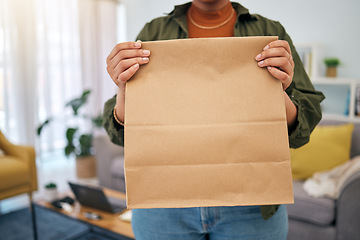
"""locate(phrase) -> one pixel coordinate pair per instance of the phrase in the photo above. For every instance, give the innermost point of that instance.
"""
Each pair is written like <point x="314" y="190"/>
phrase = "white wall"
<point x="335" y="25"/>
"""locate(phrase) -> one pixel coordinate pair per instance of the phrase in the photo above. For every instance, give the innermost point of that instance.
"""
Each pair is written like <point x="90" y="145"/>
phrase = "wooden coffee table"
<point x="110" y="222"/>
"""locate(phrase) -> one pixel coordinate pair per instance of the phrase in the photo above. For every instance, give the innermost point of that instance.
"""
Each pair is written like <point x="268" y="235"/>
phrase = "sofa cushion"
<point x="117" y="167"/>
<point x="13" y="172"/>
<point x="299" y="230"/>
<point x="320" y="211"/>
<point x="355" y="141"/>
<point x="329" y="146"/>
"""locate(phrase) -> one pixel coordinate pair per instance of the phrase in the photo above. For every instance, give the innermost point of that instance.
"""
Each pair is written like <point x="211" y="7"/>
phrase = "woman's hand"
<point x="277" y="57"/>
<point x="122" y="63"/>
<point x="124" y="60"/>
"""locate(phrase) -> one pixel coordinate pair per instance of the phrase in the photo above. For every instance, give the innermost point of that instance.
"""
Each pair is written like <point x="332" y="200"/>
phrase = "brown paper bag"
<point x="205" y="126"/>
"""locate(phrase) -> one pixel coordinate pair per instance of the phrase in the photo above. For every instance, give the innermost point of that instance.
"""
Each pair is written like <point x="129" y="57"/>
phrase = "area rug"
<point x="17" y="225"/>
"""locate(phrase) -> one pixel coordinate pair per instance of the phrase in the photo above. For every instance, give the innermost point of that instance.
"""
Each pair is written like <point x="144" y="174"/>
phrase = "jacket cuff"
<point x="112" y="127"/>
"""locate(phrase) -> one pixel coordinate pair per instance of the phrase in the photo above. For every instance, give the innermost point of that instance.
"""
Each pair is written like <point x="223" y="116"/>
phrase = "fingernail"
<point x="145" y="59"/>
<point x="266" y="47"/>
<point x="258" y="56"/>
<point x="136" y="66"/>
<point x="269" y="67"/>
<point x="261" y="63"/>
<point x="146" y="52"/>
<point x="137" y="44"/>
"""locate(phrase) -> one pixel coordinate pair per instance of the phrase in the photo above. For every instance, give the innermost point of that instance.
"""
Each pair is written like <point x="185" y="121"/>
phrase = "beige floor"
<point x="53" y="167"/>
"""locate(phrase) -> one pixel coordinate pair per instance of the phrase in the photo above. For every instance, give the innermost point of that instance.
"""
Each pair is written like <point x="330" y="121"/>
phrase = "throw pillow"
<point x="329" y="146"/>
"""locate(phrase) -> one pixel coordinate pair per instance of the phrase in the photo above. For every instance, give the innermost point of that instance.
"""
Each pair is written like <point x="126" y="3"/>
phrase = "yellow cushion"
<point x="328" y="147"/>
<point x="13" y="172"/>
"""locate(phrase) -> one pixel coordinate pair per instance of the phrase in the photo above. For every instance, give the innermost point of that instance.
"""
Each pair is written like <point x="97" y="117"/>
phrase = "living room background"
<point x="50" y="51"/>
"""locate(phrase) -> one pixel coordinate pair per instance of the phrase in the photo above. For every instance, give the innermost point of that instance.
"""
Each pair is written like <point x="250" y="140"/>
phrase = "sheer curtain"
<point x="98" y="35"/>
<point x="17" y="69"/>
<point x="58" y="64"/>
<point x="50" y="51"/>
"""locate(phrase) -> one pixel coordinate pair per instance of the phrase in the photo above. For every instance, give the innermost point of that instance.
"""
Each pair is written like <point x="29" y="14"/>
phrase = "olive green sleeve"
<point x="113" y="128"/>
<point x="307" y="103"/>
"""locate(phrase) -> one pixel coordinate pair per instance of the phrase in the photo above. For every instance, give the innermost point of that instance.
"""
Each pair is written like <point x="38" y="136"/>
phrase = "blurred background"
<point x="53" y="50"/>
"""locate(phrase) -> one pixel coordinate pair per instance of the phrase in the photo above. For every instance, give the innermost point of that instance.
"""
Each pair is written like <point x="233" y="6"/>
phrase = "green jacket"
<point x="301" y="91"/>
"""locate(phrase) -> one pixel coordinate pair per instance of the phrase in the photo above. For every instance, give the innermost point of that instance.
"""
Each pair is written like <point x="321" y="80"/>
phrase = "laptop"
<point x="95" y="197"/>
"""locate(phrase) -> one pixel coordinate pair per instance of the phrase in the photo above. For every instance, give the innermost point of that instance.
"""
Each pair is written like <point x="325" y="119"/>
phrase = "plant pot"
<point x="331" y="72"/>
<point x="50" y="194"/>
<point x="85" y="167"/>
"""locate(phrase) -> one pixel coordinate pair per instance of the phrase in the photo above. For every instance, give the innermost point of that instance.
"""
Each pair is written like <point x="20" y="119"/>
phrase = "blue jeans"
<point x="210" y="223"/>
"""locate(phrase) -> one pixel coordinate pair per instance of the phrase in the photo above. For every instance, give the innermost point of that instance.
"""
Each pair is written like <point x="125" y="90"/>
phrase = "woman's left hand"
<point x="277" y="57"/>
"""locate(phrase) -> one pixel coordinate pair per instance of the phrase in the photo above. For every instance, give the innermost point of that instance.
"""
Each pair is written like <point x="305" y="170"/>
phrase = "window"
<point x="50" y="52"/>
<point x="4" y="50"/>
<point x="2" y="85"/>
<point x="58" y="65"/>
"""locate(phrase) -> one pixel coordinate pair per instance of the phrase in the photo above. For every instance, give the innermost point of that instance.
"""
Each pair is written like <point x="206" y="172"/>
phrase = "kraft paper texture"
<point x="205" y="126"/>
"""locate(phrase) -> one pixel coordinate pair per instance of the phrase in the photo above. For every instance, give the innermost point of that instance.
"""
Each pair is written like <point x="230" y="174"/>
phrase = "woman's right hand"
<point x="122" y="63"/>
<point x="124" y="60"/>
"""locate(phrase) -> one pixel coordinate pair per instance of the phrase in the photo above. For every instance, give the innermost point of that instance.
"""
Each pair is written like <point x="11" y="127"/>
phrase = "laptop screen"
<point x="93" y="197"/>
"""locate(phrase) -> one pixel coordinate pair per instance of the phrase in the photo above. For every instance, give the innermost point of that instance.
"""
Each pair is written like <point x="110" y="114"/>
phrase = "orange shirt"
<point x="211" y="24"/>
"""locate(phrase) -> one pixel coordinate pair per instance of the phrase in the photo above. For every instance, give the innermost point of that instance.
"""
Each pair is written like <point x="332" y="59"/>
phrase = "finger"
<point x="123" y="66"/>
<point x="122" y="46"/>
<point x="126" y="63"/>
<point x="275" y="52"/>
<point x="284" y="78"/>
<point x="279" y="43"/>
<point x="127" y="74"/>
<point x="128" y="54"/>
<point x="278" y="62"/>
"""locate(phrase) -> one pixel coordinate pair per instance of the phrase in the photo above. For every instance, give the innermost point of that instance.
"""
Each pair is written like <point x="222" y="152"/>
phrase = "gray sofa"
<point x="309" y="218"/>
<point x="323" y="218"/>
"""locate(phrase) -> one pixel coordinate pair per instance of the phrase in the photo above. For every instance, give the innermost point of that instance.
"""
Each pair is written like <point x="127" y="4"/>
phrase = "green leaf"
<point x="69" y="149"/>
<point x="50" y="185"/>
<point x="77" y="103"/>
<point x="41" y="126"/>
<point x="98" y="121"/>
<point x="85" y="94"/>
<point x="70" y="133"/>
<point x="332" y="62"/>
<point x="85" y="142"/>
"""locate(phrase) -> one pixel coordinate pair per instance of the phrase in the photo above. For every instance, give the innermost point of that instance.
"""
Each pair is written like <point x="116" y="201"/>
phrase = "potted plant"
<point x="331" y="66"/>
<point x="79" y="141"/>
<point x="51" y="192"/>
